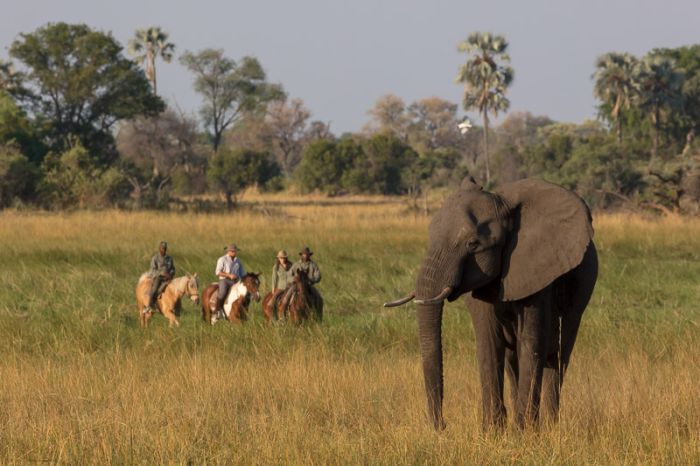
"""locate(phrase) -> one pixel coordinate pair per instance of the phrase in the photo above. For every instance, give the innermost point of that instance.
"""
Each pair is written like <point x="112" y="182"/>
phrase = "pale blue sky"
<point x="340" y="56"/>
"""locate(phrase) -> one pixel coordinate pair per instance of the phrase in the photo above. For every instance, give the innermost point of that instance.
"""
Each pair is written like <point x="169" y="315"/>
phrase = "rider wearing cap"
<point x="161" y="272"/>
<point x="229" y="269"/>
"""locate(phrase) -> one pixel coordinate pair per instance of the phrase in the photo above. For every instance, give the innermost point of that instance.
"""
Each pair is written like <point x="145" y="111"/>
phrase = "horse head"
<point x="302" y="282"/>
<point x="192" y="288"/>
<point x="252" y="283"/>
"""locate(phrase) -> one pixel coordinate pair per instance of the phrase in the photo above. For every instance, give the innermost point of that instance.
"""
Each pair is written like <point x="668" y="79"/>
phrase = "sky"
<point x="339" y="57"/>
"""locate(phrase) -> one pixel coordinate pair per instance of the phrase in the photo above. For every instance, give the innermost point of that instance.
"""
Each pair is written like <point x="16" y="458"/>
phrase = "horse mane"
<point x="143" y="277"/>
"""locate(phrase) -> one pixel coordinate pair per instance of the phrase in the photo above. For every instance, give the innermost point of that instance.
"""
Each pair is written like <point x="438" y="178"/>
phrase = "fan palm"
<point x="617" y="84"/>
<point x="148" y="44"/>
<point x="660" y="90"/>
<point x="486" y="78"/>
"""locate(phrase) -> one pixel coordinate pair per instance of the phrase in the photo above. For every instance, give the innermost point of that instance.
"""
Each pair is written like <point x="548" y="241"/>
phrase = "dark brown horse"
<point x="298" y="302"/>
<point x="237" y="301"/>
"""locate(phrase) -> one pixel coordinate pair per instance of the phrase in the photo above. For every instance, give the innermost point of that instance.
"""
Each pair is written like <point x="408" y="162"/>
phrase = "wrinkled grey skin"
<point x="524" y="259"/>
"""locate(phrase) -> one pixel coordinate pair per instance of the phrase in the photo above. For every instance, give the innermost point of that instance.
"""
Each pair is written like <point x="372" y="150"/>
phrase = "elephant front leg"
<point x="533" y="320"/>
<point x="490" y="352"/>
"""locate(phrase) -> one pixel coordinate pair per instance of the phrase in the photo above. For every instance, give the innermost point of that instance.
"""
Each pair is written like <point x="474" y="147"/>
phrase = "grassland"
<point x="81" y="383"/>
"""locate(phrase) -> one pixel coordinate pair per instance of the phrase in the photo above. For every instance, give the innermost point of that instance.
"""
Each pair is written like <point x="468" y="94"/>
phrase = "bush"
<point x="18" y="176"/>
<point x="73" y="179"/>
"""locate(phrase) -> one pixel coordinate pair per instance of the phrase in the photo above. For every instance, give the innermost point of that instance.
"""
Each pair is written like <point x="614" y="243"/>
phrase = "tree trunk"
<point x="217" y="139"/>
<point x="619" y="130"/>
<point x="655" y="143"/>
<point x="155" y="88"/>
<point x="486" y="147"/>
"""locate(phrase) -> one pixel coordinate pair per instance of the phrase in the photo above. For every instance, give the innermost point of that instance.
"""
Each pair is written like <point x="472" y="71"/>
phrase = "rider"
<point x="312" y="272"/>
<point x="162" y="271"/>
<point x="281" y="274"/>
<point x="229" y="269"/>
<point x="307" y="265"/>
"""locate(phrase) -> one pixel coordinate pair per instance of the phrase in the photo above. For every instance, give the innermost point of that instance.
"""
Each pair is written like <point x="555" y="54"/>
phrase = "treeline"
<point x="82" y="126"/>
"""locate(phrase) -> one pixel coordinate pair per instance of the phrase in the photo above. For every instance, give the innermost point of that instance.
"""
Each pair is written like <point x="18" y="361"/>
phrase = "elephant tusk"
<point x="437" y="299"/>
<point x="401" y="301"/>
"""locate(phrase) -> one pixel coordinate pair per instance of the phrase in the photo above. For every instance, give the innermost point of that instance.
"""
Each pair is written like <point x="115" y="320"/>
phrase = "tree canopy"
<point x="78" y="83"/>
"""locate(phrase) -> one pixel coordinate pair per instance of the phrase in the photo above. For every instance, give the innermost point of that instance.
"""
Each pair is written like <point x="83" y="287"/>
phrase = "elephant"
<point x="524" y="260"/>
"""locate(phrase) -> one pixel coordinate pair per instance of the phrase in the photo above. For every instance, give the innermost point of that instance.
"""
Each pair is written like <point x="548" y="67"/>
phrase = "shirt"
<point x="281" y="277"/>
<point x="160" y="265"/>
<point x="310" y="268"/>
<point x="228" y="264"/>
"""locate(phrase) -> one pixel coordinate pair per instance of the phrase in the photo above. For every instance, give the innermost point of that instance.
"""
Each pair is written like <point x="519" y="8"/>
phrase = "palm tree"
<point x="486" y="77"/>
<point x="146" y="45"/>
<point x="617" y="84"/>
<point x="660" y="89"/>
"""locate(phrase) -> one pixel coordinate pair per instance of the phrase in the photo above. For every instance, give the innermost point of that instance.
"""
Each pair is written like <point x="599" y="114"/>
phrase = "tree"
<point x="380" y="167"/>
<point x="617" y="85"/>
<point x="686" y="124"/>
<point x="433" y="125"/>
<point x="324" y="163"/>
<point x="16" y="128"/>
<point x="232" y="171"/>
<point x="149" y="44"/>
<point x="153" y="148"/>
<point x="229" y="88"/>
<point x="388" y="116"/>
<point x="285" y="128"/>
<point x="77" y="81"/>
<point x="486" y="78"/>
<point x="660" y="91"/>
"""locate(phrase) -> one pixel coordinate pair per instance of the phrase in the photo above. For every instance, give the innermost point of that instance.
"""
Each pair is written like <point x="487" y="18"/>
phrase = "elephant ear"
<point x="551" y="229"/>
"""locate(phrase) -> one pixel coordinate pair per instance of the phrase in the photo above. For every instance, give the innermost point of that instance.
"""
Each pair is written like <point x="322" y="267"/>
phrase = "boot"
<point x="219" y="313"/>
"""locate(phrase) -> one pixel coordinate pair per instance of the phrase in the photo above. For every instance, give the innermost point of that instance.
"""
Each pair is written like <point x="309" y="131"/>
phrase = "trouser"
<point x="224" y="285"/>
<point x="155" y="287"/>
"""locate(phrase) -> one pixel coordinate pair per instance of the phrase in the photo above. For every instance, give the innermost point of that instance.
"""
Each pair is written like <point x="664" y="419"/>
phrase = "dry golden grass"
<point x="82" y="384"/>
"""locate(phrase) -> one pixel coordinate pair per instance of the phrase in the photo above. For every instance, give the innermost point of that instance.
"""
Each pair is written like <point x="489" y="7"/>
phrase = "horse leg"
<point x="172" y="318"/>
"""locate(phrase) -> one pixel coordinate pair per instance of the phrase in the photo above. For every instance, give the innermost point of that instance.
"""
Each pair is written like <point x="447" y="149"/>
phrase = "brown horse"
<point x="271" y="306"/>
<point x="168" y="303"/>
<point x="237" y="301"/>
<point x="298" y="302"/>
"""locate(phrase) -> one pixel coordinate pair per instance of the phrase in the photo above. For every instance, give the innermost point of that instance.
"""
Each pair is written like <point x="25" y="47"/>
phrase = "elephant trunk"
<point x="433" y="278"/>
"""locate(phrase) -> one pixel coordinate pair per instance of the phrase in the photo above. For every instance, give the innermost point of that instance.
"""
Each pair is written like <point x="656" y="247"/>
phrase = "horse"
<point x="237" y="301"/>
<point x="298" y="302"/>
<point x="168" y="303"/>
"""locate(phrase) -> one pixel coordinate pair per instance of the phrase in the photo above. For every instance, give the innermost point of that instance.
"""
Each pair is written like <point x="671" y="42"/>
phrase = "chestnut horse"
<point x="298" y="302"/>
<point x="237" y="301"/>
<point x="168" y="303"/>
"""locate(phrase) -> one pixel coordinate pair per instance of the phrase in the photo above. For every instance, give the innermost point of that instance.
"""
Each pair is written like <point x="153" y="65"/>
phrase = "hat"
<point x="306" y="251"/>
<point x="163" y="244"/>
<point x="231" y="247"/>
<point x="282" y="253"/>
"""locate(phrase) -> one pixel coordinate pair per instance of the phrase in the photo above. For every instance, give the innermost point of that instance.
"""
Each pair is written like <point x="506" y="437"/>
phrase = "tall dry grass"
<point x="83" y="384"/>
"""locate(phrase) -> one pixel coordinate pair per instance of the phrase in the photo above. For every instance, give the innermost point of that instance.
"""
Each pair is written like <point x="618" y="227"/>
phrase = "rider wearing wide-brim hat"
<point x="281" y="272"/>
<point x="307" y="265"/>
<point x="229" y="269"/>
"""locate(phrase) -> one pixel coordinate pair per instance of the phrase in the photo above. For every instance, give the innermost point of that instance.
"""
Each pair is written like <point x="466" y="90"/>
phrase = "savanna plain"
<point x="82" y="383"/>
